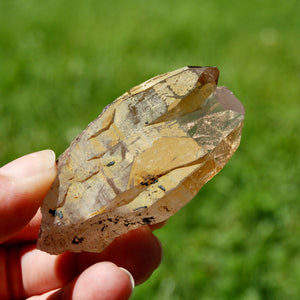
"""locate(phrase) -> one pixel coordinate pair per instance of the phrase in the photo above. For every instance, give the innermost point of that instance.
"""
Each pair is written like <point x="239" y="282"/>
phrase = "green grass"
<point x="62" y="62"/>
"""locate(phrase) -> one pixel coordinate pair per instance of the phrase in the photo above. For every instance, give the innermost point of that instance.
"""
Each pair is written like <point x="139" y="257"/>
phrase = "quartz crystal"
<point x="145" y="156"/>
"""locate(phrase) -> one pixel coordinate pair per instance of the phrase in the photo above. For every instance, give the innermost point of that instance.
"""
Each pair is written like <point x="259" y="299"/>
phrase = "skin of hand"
<point x="26" y="272"/>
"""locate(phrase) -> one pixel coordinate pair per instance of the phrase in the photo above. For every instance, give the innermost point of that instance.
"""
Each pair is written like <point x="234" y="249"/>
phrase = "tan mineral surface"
<point x="145" y="156"/>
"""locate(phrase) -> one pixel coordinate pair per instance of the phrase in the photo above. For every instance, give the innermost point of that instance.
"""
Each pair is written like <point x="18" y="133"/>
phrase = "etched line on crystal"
<point x="98" y="132"/>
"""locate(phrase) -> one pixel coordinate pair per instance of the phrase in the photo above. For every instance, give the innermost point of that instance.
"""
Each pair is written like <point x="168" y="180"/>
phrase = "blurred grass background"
<point x="61" y="62"/>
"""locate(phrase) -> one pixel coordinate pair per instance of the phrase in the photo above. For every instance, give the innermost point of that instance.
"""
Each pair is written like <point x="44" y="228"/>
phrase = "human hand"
<point x="28" y="272"/>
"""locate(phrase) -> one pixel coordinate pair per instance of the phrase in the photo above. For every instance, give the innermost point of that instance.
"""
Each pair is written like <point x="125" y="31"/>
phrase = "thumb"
<point x="24" y="183"/>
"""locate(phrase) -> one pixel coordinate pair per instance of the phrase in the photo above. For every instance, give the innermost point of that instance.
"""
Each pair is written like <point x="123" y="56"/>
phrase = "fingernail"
<point x="30" y="165"/>
<point x="130" y="276"/>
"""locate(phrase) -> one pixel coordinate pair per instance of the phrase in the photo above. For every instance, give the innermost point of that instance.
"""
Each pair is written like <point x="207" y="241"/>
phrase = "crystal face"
<point x="145" y="156"/>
